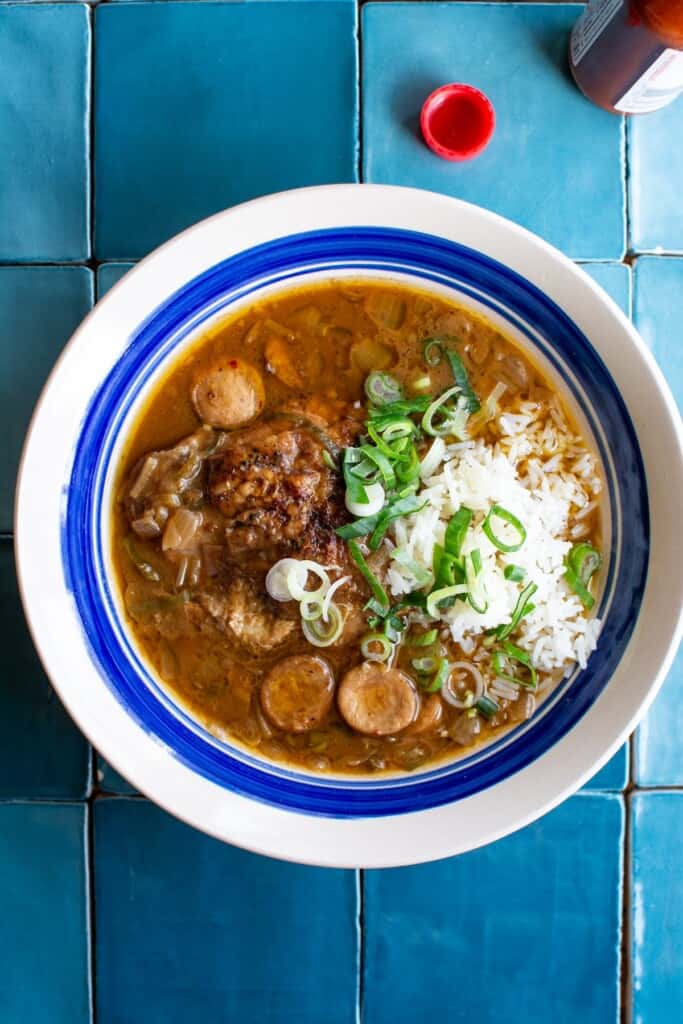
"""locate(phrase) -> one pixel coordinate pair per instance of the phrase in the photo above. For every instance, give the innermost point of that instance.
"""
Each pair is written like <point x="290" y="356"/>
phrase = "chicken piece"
<point x="297" y="693"/>
<point x="249" y="616"/>
<point x="378" y="701"/>
<point x="277" y="494"/>
<point x="230" y="394"/>
<point x="280" y="361"/>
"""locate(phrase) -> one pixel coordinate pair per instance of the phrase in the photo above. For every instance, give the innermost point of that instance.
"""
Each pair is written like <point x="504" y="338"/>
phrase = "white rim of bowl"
<point x="151" y="767"/>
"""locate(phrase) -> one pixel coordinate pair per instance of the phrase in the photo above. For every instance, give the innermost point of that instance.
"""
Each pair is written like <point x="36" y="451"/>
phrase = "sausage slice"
<point x="297" y="692"/>
<point x="229" y="394"/>
<point x="377" y="700"/>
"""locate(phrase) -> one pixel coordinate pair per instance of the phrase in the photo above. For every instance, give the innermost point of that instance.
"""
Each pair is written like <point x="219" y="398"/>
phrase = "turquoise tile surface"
<point x="43" y="926"/>
<point x="261" y="109"/>
<point x="109" y="274"/>
<point x="656" y="172"/>
<point x="109" y="781"/>
<point x="554" y="182"/>
<point x="658" y="314"/>
<point x="657" y="908"/>
<point x="40" y="307"/>
<point x="614" y="775"/>
<point x="189" y="929"/>
<point x="526" y="930"/>
<point x="44" y="114"/>
<point x="42" y="753"/>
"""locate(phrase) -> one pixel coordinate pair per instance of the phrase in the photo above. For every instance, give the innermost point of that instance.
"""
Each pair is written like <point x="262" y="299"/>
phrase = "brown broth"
<point x="321" y="341"/>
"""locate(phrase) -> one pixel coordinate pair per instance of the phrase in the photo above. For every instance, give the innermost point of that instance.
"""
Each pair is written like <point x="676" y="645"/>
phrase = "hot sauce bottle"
<point x="627" y="55"/>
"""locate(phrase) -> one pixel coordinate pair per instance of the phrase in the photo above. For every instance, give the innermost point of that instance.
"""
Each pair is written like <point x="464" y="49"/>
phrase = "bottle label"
<point x="591" y="24"/>
<point x="656" y="87"/>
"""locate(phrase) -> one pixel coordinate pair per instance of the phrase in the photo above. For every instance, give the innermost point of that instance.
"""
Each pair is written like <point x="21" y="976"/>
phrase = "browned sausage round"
<point x="297" y="692"/>
<point x="229" y="394"/>
<point x="430" y="716"/>
<point x="377" y="700"/>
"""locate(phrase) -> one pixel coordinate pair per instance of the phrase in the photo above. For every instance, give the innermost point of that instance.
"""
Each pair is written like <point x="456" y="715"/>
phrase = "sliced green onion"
<point x="581" y="591"/>
<point x="384" y="446"/>
<point x="433" y="351"/>
<point x="381" y="463"/>
<point x="297" y="575"/>
<point x="378" y="591"/>
<point x="462" y="380"/>
<point x="409" y="472"/>
<point x="456" y="530"/>
<point x="454" y="419"/>
<point x="381" y="388"/>
<point x="433" y="458"/>
<point x="442" y="673"/>
<point x="322" y="634"/>
<point x="421" y="384"/>
<point x="487" y="706"/>
<point x="477" y="593"/>
<point x="437" y="596"/>
<point x="375" y="500"/>
<point x="498" y="512"/>
<point x="421" y="575"/>
<point x="310" y="610"/>
<point x="425" y="665"/>
<point x="515" y="573"/>
<point x="585" y="560"/>
<point x="329" y="461"/>
<point x="400" y="428"/>
<point x="403" y="507"/>
<point x="144" y="568"/>
<point x="376" y="647"/>
<point x="522" y="608"/>
<point x="426" y="640"/>
<point x="582" y="562"/>
<point x="355" y="487"/>
<point x="500" y="661"/>
<point x="383" y="416"/>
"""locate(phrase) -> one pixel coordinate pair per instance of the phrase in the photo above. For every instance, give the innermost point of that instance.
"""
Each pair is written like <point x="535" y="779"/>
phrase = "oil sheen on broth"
<point x="292" y="552"/>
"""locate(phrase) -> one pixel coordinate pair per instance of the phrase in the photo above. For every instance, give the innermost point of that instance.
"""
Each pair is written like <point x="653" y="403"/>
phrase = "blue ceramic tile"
<point x="44" y="71"/>
<point x="615" y="279"/>
<point x="657" y="926"/>
<point x="42" y="753"/>
<point x="266" y="100"/>
<point x="526" y="929"/>
<point x="656" y="171"/>
<point x="109" y="274"/>
<point x="614" y="775"/>
<point x="43" y="926"/>
<point x="40" y="307"/>
<point x="190" y="929"/>
<point x="109" y="780"/>
<point x="554" y="163"/>
<point x="658" y="312"/>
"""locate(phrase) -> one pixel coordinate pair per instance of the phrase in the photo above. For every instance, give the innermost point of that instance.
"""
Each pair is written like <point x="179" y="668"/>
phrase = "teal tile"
<point x="42" y="753"/>
<point x="526" y="929"/>
<point x="658" y="313"/>
<point x="109" y="780"/>
<point x="265" y="97"/>
<point x="44" y="127"/>
<point x="43" y="926"/>
<point x="555" y="161"/>
<point x="614" y="775"/>
<point x="189" y="929"/>
<point x="657" y="908"/>
<point x="615" y="279"/>
<point x="656" y="172"/>
<point x="109" y="274"/>
<point x="40" y="307"/>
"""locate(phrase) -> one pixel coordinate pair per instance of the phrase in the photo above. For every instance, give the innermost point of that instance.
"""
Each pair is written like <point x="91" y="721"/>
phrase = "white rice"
<point x="547" y="478"/>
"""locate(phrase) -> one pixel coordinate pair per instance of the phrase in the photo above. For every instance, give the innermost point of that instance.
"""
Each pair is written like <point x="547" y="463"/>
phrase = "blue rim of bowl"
<point x="420" y="257"/>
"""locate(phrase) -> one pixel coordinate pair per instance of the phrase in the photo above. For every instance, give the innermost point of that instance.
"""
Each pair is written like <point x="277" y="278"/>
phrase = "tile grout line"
<point x="625" y="968"/>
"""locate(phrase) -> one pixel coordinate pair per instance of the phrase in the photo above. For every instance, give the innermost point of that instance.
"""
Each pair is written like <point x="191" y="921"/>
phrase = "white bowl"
<point x="541" y="299"/>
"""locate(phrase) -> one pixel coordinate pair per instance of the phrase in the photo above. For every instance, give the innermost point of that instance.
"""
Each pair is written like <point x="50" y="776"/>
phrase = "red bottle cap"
<point x="457" y="121"/>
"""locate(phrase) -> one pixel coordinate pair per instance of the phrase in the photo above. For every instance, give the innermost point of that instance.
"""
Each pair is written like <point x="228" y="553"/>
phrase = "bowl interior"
<point x="473" y="280"/>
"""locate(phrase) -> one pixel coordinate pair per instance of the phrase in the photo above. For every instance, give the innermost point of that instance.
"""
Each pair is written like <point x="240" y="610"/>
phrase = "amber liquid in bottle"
<point x="627" y="55"/>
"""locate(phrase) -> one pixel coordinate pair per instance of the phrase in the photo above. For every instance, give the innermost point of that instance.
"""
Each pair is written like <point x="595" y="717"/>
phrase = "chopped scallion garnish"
<point x="426" y="640"/>
<point x="487" y="706"/>
<point x="381" y="388"/>
<point x="437" y="597"/>
<point x="378" y="592"/>
<point x="456" y="530"/>
<point x="582" y="562"/>
<point x="504" y="670"/>
<point x="515" y="573"/>
<point x="462" y="380"/>
<point x="521" y="609"/>
<point x="498" y="512"/>
<point x="376" y="647"/>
